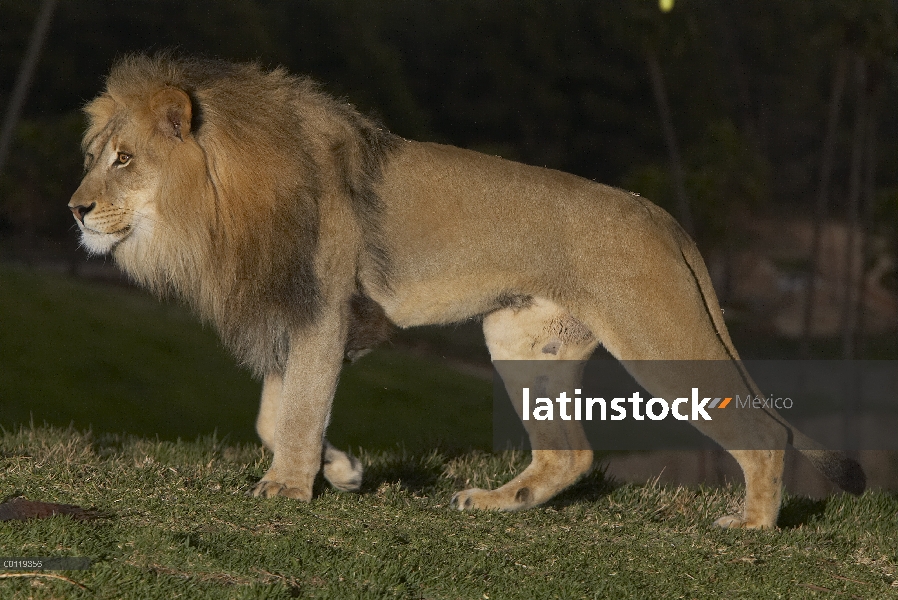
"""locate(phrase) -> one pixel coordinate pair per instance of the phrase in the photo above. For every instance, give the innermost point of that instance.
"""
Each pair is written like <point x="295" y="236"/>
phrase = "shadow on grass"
<point x="411" y="476"/>
<point x="799" y="511"/>
<point x="415" y="473"/>
<point x="593" y="485"/>
<point x="428" y="474"/>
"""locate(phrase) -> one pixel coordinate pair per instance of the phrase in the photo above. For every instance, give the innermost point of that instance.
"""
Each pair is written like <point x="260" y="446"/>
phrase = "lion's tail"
<point x="836" y="466"/>
<point x="845" y="472"/>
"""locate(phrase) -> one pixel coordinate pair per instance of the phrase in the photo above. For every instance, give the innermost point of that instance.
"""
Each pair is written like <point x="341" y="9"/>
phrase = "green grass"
<point x="116" y="360"/>
<point x="178" y="525"/>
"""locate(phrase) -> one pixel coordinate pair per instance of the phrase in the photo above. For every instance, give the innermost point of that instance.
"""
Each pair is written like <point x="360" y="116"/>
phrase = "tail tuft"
<point x="845" y="472"/>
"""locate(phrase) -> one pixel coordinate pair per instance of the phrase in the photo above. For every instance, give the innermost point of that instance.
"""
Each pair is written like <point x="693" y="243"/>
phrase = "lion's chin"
<point x="99" y="243"/>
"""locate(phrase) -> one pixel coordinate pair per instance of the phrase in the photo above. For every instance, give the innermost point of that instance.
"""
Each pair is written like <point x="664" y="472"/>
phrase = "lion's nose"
<point x="80" y="211"/>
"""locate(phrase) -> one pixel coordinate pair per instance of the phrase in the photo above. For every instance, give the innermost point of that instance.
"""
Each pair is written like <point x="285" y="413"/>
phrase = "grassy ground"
<point x="178" y="525"/>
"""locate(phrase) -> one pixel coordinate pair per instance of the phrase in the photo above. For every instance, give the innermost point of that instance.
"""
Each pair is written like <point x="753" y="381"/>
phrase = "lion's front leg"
<point x="266" y="421"/>
<point x="307" y="391"/>
<point x="340" y="469"/>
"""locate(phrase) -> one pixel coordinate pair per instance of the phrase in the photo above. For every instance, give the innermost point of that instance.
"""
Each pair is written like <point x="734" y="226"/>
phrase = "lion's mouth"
<point x="123" y="231"/>
<point x="103" y="242"/>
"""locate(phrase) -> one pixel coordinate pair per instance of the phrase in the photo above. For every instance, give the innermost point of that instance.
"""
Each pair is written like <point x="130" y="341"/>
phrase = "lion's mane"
<point x="236" y="229"/>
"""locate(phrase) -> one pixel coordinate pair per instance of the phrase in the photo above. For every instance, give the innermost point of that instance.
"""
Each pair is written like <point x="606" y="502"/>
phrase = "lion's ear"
<point x="173" y="111"/>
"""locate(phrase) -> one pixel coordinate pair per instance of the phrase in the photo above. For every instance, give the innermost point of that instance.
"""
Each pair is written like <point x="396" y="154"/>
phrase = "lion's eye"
<point x="123" y="158"/>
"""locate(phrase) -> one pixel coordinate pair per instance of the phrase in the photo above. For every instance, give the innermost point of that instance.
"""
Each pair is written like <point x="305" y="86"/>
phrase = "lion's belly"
<point x="437" y="300"/>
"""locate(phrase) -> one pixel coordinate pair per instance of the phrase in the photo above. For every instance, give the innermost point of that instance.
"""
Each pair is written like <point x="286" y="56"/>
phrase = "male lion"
<point x="296" y="226"/>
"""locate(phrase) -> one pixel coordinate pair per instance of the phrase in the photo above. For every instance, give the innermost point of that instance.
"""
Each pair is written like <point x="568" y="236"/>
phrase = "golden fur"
<point x="299" y="229"/>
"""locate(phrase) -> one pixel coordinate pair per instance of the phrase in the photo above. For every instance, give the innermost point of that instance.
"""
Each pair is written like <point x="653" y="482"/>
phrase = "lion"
<point x="303" y="231"/>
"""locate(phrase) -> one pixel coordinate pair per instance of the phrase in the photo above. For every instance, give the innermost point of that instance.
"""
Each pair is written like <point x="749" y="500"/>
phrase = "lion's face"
<point x="125" y="151"/>
<point x="115" y="199"/>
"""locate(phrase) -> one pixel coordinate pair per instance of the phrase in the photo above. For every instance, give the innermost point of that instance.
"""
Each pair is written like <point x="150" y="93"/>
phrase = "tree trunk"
<point x="728" y="41"/>
<point x="869" y="209"/>
<point x="821" y="206"/>
<point x="849" y="306"/>
<point x="23" y="79"/>
<point x="20" y="89"/>
<point x="670" y="138"/>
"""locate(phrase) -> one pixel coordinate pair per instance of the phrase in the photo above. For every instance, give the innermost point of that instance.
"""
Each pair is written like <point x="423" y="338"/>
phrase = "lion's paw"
<point x="737" y="522"/>
<point x="501" y="499"/>
<point x="469" y="499"/>
<point x="270" y="489"/>
<point x="342" y="470"/>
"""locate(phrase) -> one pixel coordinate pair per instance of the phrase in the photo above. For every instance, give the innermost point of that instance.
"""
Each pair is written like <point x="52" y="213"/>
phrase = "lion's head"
<point x="128" y="148"/>
<point x="204" y="179"/>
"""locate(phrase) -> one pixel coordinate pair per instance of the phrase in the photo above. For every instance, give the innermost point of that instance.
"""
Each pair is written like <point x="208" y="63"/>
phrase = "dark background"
<point x="582" y="86"/>
<point x="569" y="85"/>
<point x="560" y="84"/>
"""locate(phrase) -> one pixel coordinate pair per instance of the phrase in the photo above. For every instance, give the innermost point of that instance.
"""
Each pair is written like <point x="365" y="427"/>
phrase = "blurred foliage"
<point x="557" y="84"/>
<point x="722" y="169"/>
<point x="727" y="171"/>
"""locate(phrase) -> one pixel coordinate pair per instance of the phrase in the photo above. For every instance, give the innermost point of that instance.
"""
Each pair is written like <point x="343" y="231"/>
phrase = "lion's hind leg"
<point x="673" y="340"/>
<point x="540" y="347"/>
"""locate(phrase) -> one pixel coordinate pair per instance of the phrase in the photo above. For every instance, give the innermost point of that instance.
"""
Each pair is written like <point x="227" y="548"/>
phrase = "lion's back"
<point x="471" y="227"/>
